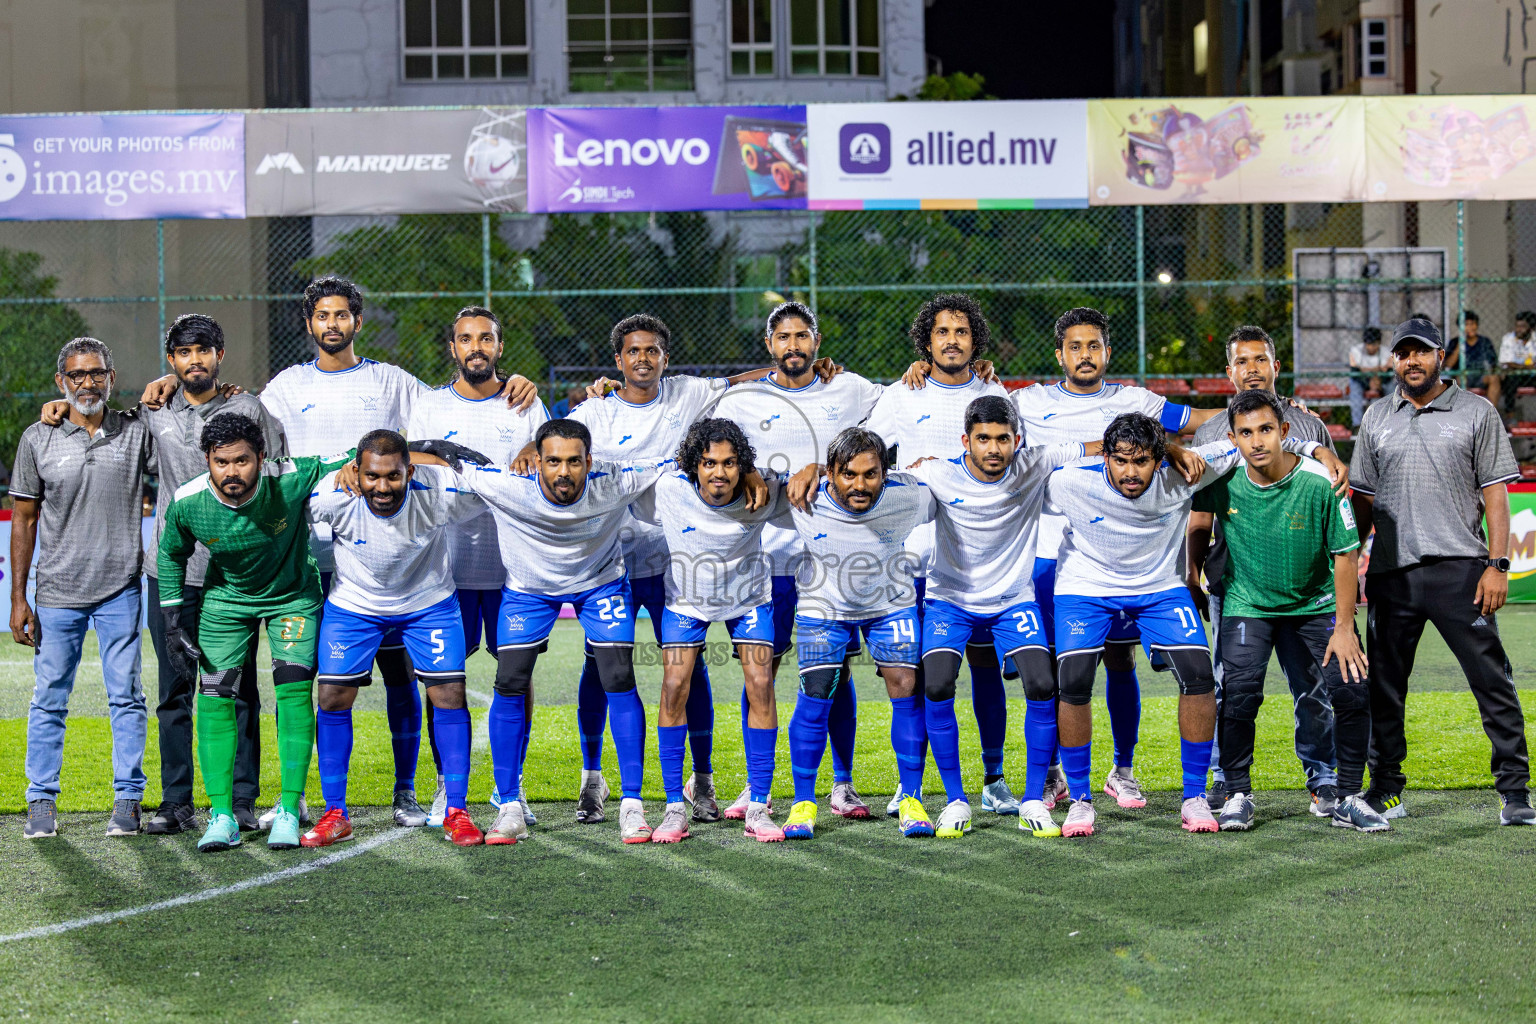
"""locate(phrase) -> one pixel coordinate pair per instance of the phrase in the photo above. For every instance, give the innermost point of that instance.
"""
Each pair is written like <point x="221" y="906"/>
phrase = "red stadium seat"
<point x="1016" y="383"/>
<point x="1214" y="386"/>
<point x="1523" y="429"/>
<point x="1173" y="386"/>
<point x="1480" y="392"/>
<point x="1528" y="471"/>
<point x="1125" y="381"/>
<point x="1320" y="391"/>
<point x="1525" y="391"/>
<point x="1339" y="432"/>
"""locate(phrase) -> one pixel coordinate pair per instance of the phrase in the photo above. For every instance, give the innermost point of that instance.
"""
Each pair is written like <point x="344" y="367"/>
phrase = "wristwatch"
<point x="1501" y="564"/>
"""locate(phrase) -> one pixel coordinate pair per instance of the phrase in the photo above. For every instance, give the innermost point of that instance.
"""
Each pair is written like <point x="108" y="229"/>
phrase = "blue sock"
<point x="1196" y="759"/>
<point x="761" y="748"/>
<point x="506" y="729"/>
<point x="453" y="735"/>
<point x="990" y="702"/>
<point x="843" y="726"/>
<point x="1123" y="695"/>
<point x="1075" y="761"/>
<point x="626" y="717"/>
<point x="333" y="746"/>
<point x="701" y="717"/>
<point x="669" y="750"/>
<point x="807" y="742"/>
<point x="907" y="738"/>
<point x="1039" y="745"/>
<point x="522" y="754"/>
<point x="944" y="738"/>
<point x="591" y="715"/>
<point x="403" y="707"/>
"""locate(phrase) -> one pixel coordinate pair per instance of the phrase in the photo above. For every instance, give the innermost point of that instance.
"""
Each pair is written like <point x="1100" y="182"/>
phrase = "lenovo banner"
<point x="600" y="159"/>
<point x="386" y="161"/>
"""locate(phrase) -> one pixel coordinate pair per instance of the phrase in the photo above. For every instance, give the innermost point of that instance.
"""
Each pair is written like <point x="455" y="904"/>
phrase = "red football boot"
<point x="333" y="827"/>
<point x="460" y="829"/>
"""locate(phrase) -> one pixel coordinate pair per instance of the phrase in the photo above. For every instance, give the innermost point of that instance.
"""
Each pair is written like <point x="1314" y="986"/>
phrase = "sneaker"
<point x="407" y="812"/>
<point x="1388" y="805"/>
<point x="1216" y="794"/>
<point x="802" y="821"/>
<point x="589" y="802"/>
<point x="223" y="833"/>
<point x="738" y="809"/>
<point x="893" y="807"/>
<point x="42" y="819"/>
<point x="245" y="817"/>
<point x="699" y="793"/>
<point x="1035" y="818"/>
<point x="674" y="824"/>
<point x="265" y="821"/>
<point x="1516" y="810"/>
<point x="999" y="799"/>
<point x="439" y="812"/>
<point x="913" y="818"/>
<point x="284" y="833"/>
<point x="460" y="829"/>
<point x="173" y="819"/>
<point x="509" y="826"/>
<point x="1353" y="812"/>
<point x="495" y="799"/>
<point x="333" y="827"/>
<point x="846" y="801"/>
<point x="1056" y="788"/>
<point x="1236" y="814"/>
<point x="522" y="798"/>
<point x="633" y="828"/>
<point x="125" y="818"/>
<point x="760" y="826"/>
<point x="1079" y="819"/>
<point x="1325" y="801"/>
<point x="1195" y="815"/>
<point x="954" y="820"/>
<point x="1122" y="785"/>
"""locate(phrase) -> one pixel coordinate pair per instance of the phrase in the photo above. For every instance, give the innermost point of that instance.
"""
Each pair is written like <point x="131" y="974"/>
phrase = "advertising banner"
<point x="1290" y="149"/>
<point x="1450" y="147"/>
<point x="1522" y="543"/>
<point x="908" y="156"/>
<point x="121" y="166"/>
<point x="386" y="161"/>
<point x="596" y="159"/>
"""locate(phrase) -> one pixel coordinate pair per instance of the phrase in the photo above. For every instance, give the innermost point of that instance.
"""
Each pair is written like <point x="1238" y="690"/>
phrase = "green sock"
<point x="216" y="750"/>
<point x="295" y="739"/>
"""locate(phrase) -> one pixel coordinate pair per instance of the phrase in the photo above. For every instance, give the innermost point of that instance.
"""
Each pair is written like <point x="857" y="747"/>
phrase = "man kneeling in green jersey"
<point x="1291" y="582"/>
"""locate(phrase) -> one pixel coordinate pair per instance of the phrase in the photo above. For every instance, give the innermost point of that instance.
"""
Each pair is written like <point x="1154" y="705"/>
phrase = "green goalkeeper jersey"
<point x="259" y="551"/>
<point x="1281" y="539"/>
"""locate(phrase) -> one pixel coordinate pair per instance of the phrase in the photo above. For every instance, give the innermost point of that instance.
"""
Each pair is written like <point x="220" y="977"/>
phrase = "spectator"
<point x="572" y="399"/>
<point x="1474" y="353"/>
<point x="1367" y="362"/>
<point x="1517" y="358"/>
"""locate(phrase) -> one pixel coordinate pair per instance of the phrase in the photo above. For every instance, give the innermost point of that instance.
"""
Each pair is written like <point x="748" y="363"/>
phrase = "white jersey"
<point x="551" y="549"/>
<point x="1050" y="414"/>
<point x="623" y="432"/>
<point x="398" y="565"/>
<point x="716" y="569"/>
<point x="323" y="413"/>
<point x="790" y="429"/>
<point x="857" y="568"/>
<point x="926" y="423"/>
<point x="489" y="427"/>
<point x="985" y="551"/>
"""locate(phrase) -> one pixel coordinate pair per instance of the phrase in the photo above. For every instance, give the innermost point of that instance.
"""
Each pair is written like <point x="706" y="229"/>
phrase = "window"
<point x="752" y="38"/>
<point x="630" y="45"/>
<point x="834" y="37"/>
<point x="454" y="40"/>
<point x="1373" y="48"/>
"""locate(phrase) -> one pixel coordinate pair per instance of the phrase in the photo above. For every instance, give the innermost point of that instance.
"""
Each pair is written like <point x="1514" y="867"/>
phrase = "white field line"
<point x="482" y="736"/>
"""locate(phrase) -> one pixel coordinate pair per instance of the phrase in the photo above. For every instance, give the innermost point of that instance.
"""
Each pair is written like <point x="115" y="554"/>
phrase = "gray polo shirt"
<point x="178" y="430"/>
<point x="1425" y="469"/>
<point x="1304" y="427"/>
<point x="90" y="496"/>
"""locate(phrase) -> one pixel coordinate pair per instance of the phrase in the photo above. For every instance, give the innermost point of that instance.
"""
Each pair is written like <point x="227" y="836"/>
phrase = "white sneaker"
<point x="633" y="827"/>
<point x="699" y="793"/>
<point x="1123" y="785"/>
<point x="1079" y="819"/>
<point x="589" y="803"/>
<point x="509" y="826"/>
<point x="955" y="821"/>
<point x="1056" y="788"/>
<point x="1195" y="815"/>
<point x="522" y="798"/>
<point x="738" y="809"/>
<point x="265" y="821"/>
<point x="998" y="798"/>
<point x="439" y="805"/>
<point x="893" y="809"/>
<point x="1035" y="818"/>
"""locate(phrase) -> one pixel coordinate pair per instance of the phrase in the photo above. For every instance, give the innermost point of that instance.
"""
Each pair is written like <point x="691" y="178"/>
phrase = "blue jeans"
<point x="1314" y="715"/>
<point x="117" y="624"/>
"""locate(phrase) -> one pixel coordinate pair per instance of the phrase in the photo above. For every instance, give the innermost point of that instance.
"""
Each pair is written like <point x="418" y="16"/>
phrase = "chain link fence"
<point x="1174" y="281"/>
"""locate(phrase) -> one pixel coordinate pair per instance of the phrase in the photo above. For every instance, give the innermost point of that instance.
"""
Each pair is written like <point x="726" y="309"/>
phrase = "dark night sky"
<point x="1027" y="49"/>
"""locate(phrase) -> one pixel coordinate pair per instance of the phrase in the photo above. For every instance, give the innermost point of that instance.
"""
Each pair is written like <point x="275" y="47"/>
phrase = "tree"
<point x="31" y="335"/>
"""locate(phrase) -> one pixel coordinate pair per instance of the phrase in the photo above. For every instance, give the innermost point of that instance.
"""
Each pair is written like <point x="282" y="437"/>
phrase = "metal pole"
<point x="1255" y="78"/>
<point x="485" y="256"/>
<point x="160" y="272"/>
<point x="812" y="268"/>
<point x="1141" y="295"/>
<point x="1461" y="282"/>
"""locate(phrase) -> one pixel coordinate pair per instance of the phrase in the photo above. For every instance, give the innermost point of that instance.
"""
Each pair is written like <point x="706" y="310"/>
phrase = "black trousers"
<point x="1440" y="592"/>
<point x="174" y="712"/>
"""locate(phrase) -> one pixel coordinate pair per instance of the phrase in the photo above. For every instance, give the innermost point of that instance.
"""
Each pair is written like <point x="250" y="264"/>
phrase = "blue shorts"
<point x="605" y="612"/>
<point x="1166" y="620"/>
<point x="480" y="610"/>
<point x="948" y="627"/>
<point x="894" y="639"/>
<point x="1121" y="631"/>
<point x="434" y="638"/>
<point x="650" y="593"/>
<point x="755" y="627"/>
<point x="786" y="595"/>
<point x="391" y="639"/>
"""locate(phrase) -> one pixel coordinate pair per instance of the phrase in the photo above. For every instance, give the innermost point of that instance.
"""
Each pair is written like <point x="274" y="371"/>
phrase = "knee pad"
<point x="1038" y="672"/>
<point x="1350" y="697"/>
<point x="1076" y="673"/>
<point x="514" y="670"/>
<point x="615" y="668"/>
<point x="291" y="672"/>
<point x="1240" y="707"/>
<point x="1192" y="668"/>
<point x="220" y="684"/>
<point x="940" y="670"/>
<point x="820" y="682"/>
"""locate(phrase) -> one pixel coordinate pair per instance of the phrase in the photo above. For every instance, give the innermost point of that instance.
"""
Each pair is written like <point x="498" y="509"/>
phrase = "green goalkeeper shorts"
<point x="226" y="634"/>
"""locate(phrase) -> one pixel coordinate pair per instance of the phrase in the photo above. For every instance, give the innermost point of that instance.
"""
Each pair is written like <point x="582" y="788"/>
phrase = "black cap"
<point x="1417" y="330"/>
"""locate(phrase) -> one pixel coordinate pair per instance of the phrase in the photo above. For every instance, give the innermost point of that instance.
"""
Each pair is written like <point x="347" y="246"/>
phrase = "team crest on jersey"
<point x="941" y="629"/>
<point x="277" y="526"/>
<point x="1447" y="430"/>
<point x="507" y="434"/>
<point x="886" y="536"/>
<point x="1295" y="521"/>
<point x="833" y="413"/>
<point x="1077" y="626"/>
<point x="338" y="648"/>
<point x="370" y="402"/>
<point x="516" y="621"/>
